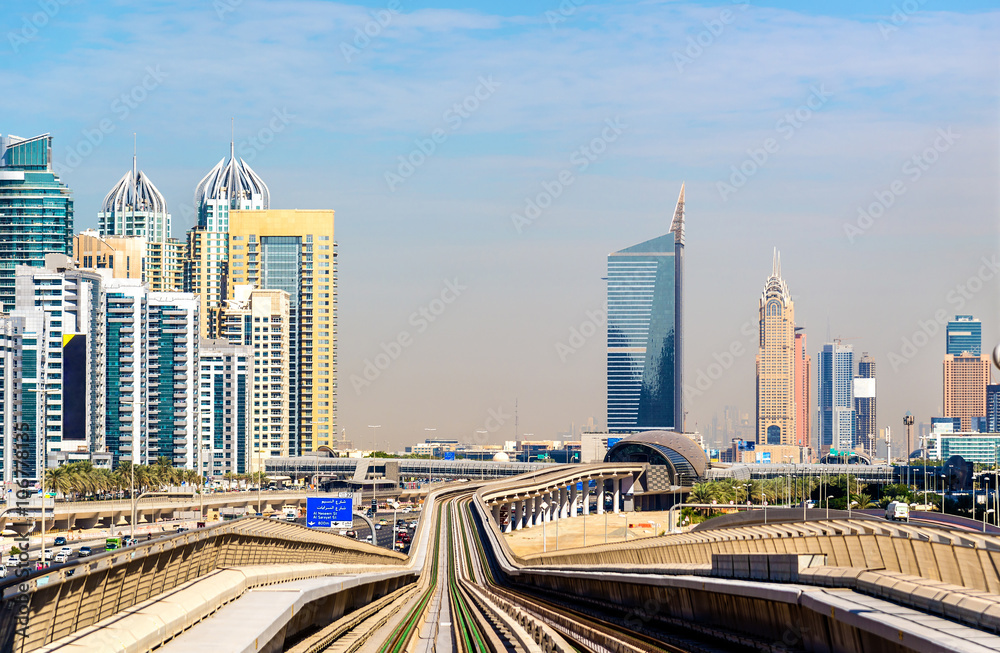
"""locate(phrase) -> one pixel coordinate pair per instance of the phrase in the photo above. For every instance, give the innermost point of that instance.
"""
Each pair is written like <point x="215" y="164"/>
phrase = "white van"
<point x="897" y="511"/>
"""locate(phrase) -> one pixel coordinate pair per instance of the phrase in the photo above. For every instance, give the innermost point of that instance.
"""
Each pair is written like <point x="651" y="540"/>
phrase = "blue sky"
<point x="833" y="100"/>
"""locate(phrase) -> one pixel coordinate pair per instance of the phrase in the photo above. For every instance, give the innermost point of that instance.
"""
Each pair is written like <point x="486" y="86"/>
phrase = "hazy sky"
<point x="428" y="127"/>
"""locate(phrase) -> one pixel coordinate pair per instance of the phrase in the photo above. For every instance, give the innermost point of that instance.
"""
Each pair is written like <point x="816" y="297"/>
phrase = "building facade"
<point x="206" y="274"/>
<point x="224" y="398"/>
<point x="803" y="394"/>
<point x="61" y="312"/>
<point x="11" y="346"/>
<point x="36" y="209"/>
<point x="645" y="337"/>
<point x="965" y="379"/>
<point x="993" y="408"/>
<point x="295" y="251"/>
<point x="964" y="335"/>
<point x="123" y="256"/>
<point x="866" y="431"/>
<point x="260" y="320"/>
<point x="982" y="448"/>
<point x="835" y="397"/>
<point x="776" y="389"/>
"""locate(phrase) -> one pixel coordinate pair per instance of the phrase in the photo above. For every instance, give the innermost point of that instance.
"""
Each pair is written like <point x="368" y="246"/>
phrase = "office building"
<point x="123" y="256"/>
<point x="645" y="334"/>
<point x="835" y="396"/>
<point x="206" y="275"/>
<point x="803" y="394"/>
<point x="866" y="431"/>
<point x="295" y="251"/>
<point x="259" y="320"/>
<point x="224" y="398"/>
<point x="60" y="312"/>
<point x="36" y="209"/>
<point x="965" y="379"/>
<point x="776" y="389"/>
<point x="982" y="448"/>
<point x="964" y="335"/>
<point x="134" y="207"/>
<point x="993" y="408"/>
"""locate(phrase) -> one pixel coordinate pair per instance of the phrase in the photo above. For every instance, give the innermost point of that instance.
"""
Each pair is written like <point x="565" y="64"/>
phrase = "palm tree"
<point x="862" y="501"/>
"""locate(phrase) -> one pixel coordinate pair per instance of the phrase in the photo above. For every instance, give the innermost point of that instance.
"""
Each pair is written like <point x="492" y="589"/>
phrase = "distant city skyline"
<point x="844" y="156"/>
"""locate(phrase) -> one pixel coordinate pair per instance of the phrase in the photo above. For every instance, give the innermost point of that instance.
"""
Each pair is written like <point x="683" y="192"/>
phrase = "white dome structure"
<point x="135" y="207"/>
<point x="232" y="186"/>
<point x="501" y="457"/>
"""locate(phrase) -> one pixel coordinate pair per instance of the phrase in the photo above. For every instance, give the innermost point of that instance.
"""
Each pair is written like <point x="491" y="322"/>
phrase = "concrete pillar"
<point x="572" y="500"/>
<point x="586" y="497"/>
<point x="522" y="507"/>
<point x="563" y="503"/>
<point x="600" y="495"/>
<point x="510" y="518"/>
<point x="536" y="517"/>
<point x="496" y="513"/>
<point x="618" y="494"/>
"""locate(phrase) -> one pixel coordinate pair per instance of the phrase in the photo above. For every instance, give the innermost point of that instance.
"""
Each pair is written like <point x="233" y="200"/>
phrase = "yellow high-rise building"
<point x="965" y="379"/>
<point x="205" y="273"/>
<point x="776" y="389"/>
<point x="294" y="251"/>
<point x="125" y="256"/>
<point x="165" y="265"/>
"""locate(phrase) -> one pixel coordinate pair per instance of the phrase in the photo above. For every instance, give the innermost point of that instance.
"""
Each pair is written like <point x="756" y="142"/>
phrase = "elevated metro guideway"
<point x="818" y="585"/>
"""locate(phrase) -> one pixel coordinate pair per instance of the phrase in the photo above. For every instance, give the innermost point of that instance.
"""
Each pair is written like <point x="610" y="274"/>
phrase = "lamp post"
<point x="373" y="427"/>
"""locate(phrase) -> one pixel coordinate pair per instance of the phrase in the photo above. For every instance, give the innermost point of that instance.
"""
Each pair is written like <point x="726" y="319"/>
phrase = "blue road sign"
<point x="449" y="455"/>
<point x="613" y="441"/>
<point x="329" y="512"/>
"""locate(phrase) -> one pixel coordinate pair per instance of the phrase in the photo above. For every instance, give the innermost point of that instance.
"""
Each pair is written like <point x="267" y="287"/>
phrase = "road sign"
<point x="449" y="455"/>
<point x="329" y="512"/>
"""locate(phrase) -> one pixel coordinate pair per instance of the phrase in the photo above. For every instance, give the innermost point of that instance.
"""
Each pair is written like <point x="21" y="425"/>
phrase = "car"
<point x="368" y="539"/>
<point x="352" y="534"/>
<point x="378" y="527"/>
<point x="181" y="529"/>
<point x="67" y="550"/>
<point x="49" y="555"/>
<point x="60" y="541"/>
<point x="12" y="561"/>
<point x="84" y="551"/>
<point x="61" y="558"/>
<point x="383" y="522"/>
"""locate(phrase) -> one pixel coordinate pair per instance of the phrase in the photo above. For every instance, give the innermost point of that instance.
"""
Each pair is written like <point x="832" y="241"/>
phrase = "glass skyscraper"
<point x="36" y="209"/>
<point x="964" y="335"/>
<point x="645" y="389"/>
<point x="836" y="397"/>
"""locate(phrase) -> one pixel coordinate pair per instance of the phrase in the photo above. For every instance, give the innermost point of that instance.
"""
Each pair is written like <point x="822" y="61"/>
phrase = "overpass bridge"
<point x="734" y="583"/>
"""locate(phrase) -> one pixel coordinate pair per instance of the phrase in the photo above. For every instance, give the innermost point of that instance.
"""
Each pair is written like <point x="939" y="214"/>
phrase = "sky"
<point x="484" y="158"/>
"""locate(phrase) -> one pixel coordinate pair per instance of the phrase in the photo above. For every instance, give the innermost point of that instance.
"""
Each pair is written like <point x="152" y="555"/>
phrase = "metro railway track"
<point x="461" y="602"/>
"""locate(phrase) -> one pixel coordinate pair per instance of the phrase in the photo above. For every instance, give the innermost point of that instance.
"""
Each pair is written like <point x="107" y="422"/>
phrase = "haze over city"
<point x="860" y="140"/>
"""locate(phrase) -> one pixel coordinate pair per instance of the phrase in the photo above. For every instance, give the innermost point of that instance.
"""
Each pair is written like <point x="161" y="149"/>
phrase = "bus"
<point x="112" y="543"/>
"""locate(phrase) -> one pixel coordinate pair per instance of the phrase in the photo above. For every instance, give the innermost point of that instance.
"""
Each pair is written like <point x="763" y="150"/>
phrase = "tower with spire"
<point x="229" y="186"/>
<point x="776" y="364"/>
<point x="645" y="332"/>
<point x="135" y="207"/>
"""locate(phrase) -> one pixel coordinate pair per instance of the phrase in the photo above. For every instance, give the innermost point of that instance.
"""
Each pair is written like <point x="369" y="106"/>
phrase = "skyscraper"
<point x="835" y="395"/>
<point x="11" y="361"/>
<point x="645" y="332"/>
<point x="803" y="395"/>
<point x="866" y="432"/>
<point x="776" y="389"/>
<point x="224" y="399"/>
<point x="227" y="187"/>
<point x="965" y="379"/>
<point x="993" y="408"/>
<point x="36" y="209"/>
<point x="135" y="207"/>
<point x="258" y="320"/>
<point x="124" y="256"/>
<point x="964" y="335"/>
<point x="62" y="391"/>
<point x="295" y="251"/>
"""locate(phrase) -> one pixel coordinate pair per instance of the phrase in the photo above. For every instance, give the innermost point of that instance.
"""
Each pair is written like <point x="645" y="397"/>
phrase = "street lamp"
<point x="373" y="427"/>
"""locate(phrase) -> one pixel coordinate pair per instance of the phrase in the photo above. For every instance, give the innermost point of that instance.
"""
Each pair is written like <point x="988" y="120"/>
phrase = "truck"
<point x="291" y="512"/>
<point x="897" y="511"/>
<point x="112" y="544"/>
